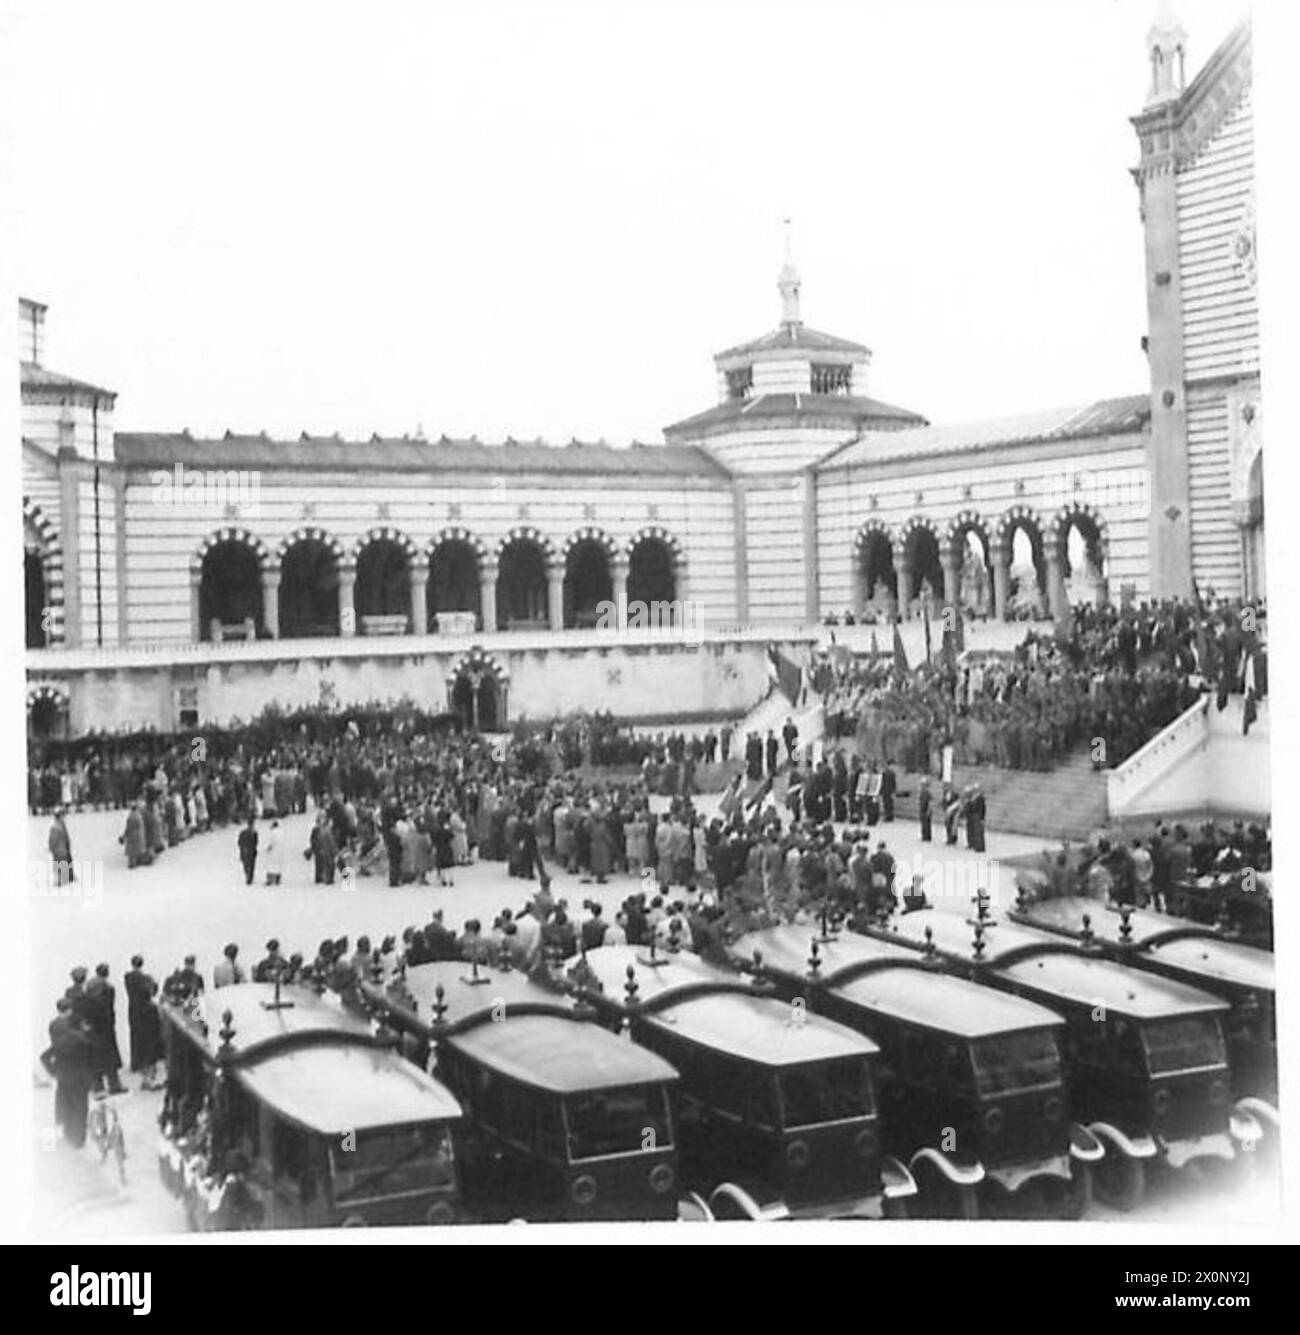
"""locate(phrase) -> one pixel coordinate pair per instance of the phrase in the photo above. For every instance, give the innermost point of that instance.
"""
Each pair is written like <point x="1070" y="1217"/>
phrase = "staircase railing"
<point x="1126" y="782"/>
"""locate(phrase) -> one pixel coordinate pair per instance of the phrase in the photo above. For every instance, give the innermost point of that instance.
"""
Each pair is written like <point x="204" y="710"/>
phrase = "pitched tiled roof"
<point x="847" y="412"/>
<point x="164" y="449"/>
<point x="794" y="336"/>
<point x="41" y="377"/>
<point x="1103" y="418"/>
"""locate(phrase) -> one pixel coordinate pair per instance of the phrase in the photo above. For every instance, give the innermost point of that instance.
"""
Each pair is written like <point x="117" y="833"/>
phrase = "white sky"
<point x="544" y="219"/>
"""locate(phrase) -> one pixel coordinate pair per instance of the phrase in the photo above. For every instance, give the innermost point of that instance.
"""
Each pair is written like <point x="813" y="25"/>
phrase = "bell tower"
<point x="1167" y="51"/>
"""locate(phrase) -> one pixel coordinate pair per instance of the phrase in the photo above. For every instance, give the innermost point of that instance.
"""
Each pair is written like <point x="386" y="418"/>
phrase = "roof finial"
<point x="788" y="283"/>
<point x="1167" y="51"/>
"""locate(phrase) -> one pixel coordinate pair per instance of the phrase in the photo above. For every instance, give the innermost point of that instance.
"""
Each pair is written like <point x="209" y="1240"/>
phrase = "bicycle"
<point x="105" y="1129"/>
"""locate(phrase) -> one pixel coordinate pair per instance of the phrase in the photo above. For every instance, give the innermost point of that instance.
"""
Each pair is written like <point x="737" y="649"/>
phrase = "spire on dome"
<point x="1167" y="50"/>
<point x="788" y="285"/>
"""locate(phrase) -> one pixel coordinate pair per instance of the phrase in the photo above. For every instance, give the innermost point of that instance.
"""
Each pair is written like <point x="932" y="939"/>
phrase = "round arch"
<point x="971" y="563"/>
<point x="589" y="556"/>
<point x="226" y="571"/>
<point x="43" y="578"/>
<point x="478" y="690"/>
<point x="920" y="548"/>
<point x="875" y="577"/>
<point x="1026" y="577"/>
<point x="383" y="558"/>
<point x="1085" y="569"/>
<point x="310" y="561"/>
<point x="457" y="561"/>
<point x="48" y="705"/>
<point x="525" y="558"/>
<point x="656" y="573"/>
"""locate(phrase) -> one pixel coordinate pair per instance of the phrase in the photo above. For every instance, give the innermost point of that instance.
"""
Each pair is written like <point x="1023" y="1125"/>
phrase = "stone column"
<point x="904" y="590"/>
<point x="271" y="602"/>
<point x="1000" y="555"/>
<point x="196" y="626"/>
<point x="1058" y="602"/>
<point x="555" y="594"/>
<point x="487" y="593"/>
<point x="419" y="576"/>
<point x="347" y="600"/>
<point x="618" y="574"/>
<point x="951" y="592"/>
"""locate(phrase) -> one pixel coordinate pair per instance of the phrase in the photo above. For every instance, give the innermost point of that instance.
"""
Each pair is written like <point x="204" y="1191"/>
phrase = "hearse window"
<point x="827" y="1092"/>
<point x="245" y="1125"/>
<point x="934" y="1060"/>
<point x="388" y="1162"/>
<point x="617" y="1121"/>
<point x="1008" y="1063"/>
<point x="550" y="1129"/>
<point x="1192" y="1044"/>
<point x="290" y="1154"/>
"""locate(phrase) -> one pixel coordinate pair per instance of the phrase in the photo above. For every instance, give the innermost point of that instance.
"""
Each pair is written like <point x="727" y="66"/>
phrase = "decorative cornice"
<point x="1173" y="133"/>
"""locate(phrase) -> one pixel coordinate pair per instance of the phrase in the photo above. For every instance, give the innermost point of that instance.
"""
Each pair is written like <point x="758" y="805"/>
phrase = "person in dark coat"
<point x="138" y="853"/>
<point x="888" y="787"/>
<point x="144" y="1023"/>
<point x="248" y="849"/>
<point x="602" y="850"/>
<point x="772" y="748"/>
<point x="61" y="850"/>
<point x="323" y="851"/>
<point x="70" y="1060"/>
<point x="593" y="930"/>
<point x="101" y="1012"/>
<point x="443" y="856"/>
<point x="924" y="801"/>
<point x="975" y="811"/>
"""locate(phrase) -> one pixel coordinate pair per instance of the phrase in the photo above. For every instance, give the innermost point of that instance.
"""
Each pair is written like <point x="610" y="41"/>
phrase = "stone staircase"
<point x="1066" y="802"/>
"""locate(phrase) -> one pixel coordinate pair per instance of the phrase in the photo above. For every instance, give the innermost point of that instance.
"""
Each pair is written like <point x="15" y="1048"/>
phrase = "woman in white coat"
<point x="273" y="854"/>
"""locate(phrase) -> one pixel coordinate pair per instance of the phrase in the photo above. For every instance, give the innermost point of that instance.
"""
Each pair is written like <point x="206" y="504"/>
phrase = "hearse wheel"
<point x="1076" y="1196"/>
<point x="1121" y="1181"/>
<point x="938" y="1197"/>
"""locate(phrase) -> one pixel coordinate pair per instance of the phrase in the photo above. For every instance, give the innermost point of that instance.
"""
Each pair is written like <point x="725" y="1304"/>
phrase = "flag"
<point x="925" y="613"/>
<point x="959" y="632"/>
<point x="788" y="674"/>
<point x="1249" y="713"/>
<point x="875" y="648"/>
<point x="900" y="654"/>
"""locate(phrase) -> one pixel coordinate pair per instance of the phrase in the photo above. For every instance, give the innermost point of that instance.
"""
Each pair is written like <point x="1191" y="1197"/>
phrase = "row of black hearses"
<point x="932" y="1065"/>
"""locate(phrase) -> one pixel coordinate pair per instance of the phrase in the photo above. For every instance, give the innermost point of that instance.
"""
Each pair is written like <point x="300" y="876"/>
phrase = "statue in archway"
<point x="882" y="603"/>
<point x="974" y="590"/>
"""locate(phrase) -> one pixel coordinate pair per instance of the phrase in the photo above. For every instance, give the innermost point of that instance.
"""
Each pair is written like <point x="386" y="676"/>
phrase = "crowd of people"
<point x="1118" y="678"/>
<point x="1146" y="869"/>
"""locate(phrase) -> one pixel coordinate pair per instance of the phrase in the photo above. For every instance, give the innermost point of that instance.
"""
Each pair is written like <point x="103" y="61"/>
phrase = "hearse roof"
<point x="331" y="1090"/>
<point x="260" y="1026"/>
<point x="561" y="1056"/>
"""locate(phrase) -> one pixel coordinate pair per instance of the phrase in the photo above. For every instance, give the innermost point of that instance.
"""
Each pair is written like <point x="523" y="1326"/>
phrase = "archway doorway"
<point x="921" y="553"/>
<point x="309" y="590"/>
<point x="521" y="586"/>
<point x="454" y="579"/>
<point x="476" y="699"/>
<point x="1083" y="558"/>
<point x="383" y="580"/>
<point x="230" y="587"/>
<point x="36" y="604"/>
<point x="877" y="580"/>
<point x="587" y="583"/>
<point x="652" y="579"/>
<point x="1027" y="571"/>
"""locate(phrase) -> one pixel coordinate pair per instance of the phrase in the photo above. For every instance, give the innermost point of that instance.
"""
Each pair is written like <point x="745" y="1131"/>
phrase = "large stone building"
<point x="171" y="578"/>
